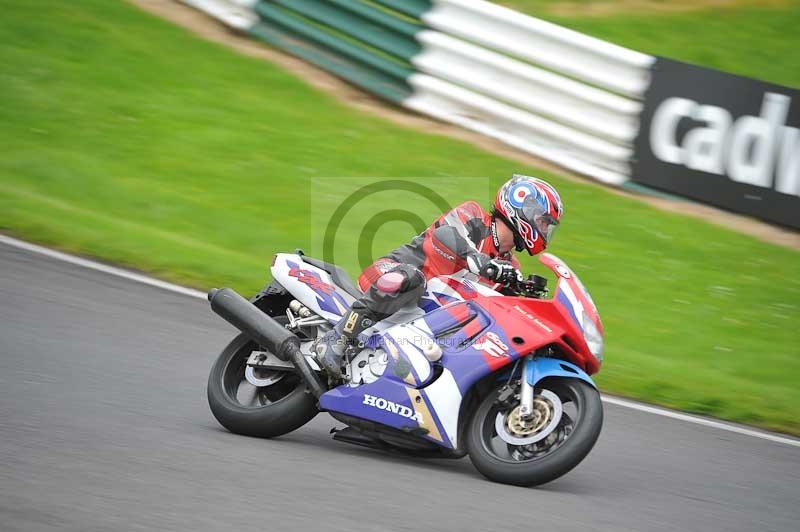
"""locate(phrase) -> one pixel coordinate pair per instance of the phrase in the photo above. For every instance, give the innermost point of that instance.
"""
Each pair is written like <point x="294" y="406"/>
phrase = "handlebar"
<point x="491" y="272"/>
<point x="534" y="286"/>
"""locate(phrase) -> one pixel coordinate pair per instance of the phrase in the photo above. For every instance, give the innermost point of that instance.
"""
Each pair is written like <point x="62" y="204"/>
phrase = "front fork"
<point x="526" y="390"/>
<point x="535" y="369"/>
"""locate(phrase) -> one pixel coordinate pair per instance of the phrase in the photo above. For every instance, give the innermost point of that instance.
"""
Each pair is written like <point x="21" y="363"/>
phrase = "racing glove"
<point x="500" y="271"/>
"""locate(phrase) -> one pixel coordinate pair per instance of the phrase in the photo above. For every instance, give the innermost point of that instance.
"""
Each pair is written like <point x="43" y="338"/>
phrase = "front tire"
<point x="280" y="405"/>
<point x="503" y="455"/>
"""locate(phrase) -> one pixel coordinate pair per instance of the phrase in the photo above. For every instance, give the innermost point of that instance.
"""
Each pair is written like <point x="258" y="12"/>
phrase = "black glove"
<point x="500" y="271"/>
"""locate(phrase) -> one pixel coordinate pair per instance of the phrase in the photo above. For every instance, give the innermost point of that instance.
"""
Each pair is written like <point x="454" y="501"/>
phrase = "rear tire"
<point x="275" y="409"/>
<point x="535" y="464"/>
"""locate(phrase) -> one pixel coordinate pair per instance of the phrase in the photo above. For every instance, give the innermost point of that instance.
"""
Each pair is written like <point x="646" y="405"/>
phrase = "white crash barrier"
<point x="555" y="93"/>
<point x="577" y="55"/>
<point x="576" y="151"/>
<point x="530" y="88"/>
<point x="237" y="14"/>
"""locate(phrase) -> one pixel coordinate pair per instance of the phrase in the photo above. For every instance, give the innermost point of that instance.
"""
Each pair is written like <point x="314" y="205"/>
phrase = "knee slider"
<point x="391" y="282"/>
<point x="403" y="278"/>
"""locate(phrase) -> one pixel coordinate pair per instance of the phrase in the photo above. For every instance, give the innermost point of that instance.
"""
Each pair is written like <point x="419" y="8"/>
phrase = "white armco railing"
<point x="552" y="92"/>
<point x="554" y="47"/>
<point x="236" y="14"/>
<point x="525" y="86"/>
<point x="549" y="140"/>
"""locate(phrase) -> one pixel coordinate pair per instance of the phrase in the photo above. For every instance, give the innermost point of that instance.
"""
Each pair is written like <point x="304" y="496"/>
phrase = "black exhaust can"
<point x="246" y="317"/>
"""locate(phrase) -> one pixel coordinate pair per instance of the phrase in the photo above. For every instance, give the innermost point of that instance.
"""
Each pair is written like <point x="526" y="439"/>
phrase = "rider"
<point x="528" y="211"/>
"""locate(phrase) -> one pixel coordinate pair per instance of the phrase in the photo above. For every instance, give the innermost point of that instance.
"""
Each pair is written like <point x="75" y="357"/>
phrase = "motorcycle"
<point x="501" y="374"/>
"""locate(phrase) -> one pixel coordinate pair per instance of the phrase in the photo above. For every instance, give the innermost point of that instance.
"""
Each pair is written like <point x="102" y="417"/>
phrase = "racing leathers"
<point x="463" y="238"/>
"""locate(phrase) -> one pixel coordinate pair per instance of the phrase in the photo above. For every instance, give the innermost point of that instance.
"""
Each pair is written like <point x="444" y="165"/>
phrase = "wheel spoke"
<point x="241" y="390"/>
<point x="247" y="395"/>
<point x="516" y="453"/>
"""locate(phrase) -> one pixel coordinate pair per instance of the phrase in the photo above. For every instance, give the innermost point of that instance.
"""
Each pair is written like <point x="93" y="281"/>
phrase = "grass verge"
<point x="131" y="140"/>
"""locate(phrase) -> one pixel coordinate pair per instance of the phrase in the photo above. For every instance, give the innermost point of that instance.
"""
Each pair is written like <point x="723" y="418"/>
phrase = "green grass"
<point x="126" y="138"/>
<point x="743" y="38"/>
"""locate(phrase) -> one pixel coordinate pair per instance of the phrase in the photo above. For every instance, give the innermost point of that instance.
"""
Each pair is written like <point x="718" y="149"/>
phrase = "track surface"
<point x="104" y="426"/>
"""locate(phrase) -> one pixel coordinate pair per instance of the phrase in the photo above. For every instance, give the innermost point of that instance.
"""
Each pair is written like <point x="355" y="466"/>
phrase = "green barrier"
<point x="362" y="22"/>
<point x="380" y="16"/>
<point x="412" y="8"/>
<point x="310" y="32"/>
<point x="370" y="79"/>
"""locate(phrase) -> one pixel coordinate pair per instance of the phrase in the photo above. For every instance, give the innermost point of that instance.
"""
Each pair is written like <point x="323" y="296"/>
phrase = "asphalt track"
<point x="104" y="426"/>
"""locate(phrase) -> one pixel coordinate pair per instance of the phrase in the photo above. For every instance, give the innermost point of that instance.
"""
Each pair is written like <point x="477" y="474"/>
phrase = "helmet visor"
<point x="539" y="216"/>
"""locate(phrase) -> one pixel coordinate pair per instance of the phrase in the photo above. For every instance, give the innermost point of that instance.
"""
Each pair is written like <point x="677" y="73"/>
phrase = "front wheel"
<point x="568" y="416"/>
<point x="256" y="402"/>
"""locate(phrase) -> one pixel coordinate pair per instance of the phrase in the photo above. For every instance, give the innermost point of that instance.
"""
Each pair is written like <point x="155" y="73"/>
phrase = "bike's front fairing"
<point x="477" y="336"/>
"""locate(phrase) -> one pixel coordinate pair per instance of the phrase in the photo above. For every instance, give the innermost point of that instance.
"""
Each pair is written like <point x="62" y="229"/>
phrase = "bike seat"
<point x="338" y="275"/>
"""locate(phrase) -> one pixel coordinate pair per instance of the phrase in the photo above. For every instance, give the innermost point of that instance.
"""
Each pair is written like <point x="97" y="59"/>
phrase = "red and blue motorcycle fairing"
<point x="477" y="337"/>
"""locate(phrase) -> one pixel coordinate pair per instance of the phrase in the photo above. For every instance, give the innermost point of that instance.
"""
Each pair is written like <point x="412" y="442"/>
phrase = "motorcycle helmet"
<point x="532" y="209"/>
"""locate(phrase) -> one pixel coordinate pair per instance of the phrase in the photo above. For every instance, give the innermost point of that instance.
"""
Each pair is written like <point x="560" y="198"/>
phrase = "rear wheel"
<point x="256" y="402"/>
<point x="568" y="416"/>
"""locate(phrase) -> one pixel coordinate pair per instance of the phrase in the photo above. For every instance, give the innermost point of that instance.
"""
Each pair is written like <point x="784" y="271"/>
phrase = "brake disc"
<point x="261" y="377"/>
<point x="547" y="411"/>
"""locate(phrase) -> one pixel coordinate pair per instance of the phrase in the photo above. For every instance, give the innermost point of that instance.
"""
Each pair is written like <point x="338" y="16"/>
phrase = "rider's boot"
<point x="403" y="285"/>
<point x="331" y="347"/>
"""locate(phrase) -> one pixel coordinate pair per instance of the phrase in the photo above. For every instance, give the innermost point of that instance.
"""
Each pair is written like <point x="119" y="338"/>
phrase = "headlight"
<point x="593" y="338"/>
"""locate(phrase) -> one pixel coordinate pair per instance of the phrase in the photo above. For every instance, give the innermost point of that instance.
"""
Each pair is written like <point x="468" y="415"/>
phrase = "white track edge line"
<point x="97" y="266"/>
<point x="139" y="278"/>
<point x="701" y="421"/>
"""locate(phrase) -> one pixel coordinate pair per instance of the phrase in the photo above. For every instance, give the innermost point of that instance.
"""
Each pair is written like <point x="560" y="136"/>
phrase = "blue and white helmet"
<point x="534" y="210"/>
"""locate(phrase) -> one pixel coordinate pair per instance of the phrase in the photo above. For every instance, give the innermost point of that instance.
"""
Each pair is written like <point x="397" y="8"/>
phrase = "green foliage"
<point x="131" y="140"/>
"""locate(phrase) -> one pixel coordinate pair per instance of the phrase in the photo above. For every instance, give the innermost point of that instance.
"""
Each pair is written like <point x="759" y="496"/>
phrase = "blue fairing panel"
<point x="551" y="367"/>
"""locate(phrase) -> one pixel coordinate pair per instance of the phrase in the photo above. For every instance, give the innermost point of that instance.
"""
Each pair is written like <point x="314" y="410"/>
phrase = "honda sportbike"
<point x="501" y="375"/>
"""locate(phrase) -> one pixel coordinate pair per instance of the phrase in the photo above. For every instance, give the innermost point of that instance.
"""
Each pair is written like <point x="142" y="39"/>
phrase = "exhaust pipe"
<point x="264" y="330"/>
<point x="246" y="317"/>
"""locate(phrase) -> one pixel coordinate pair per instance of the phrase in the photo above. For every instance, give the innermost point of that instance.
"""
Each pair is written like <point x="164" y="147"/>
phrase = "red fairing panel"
<point x="535" y="323"/>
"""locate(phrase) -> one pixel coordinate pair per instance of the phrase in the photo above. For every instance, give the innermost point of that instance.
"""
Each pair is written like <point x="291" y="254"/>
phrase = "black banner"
<point x="721" y="139"/>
